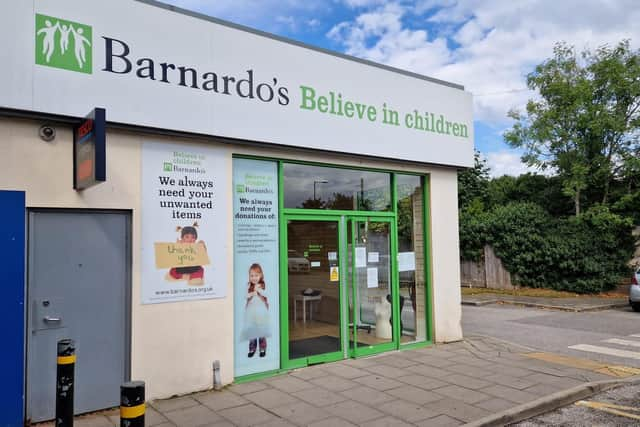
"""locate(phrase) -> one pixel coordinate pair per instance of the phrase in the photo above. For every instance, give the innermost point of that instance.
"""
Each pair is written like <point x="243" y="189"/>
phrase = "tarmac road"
<point x="610" y="336"/>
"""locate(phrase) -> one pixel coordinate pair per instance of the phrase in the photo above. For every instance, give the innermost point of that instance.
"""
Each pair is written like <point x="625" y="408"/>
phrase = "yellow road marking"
<point x="589" y="365"/>
<point x="611" y="408"/>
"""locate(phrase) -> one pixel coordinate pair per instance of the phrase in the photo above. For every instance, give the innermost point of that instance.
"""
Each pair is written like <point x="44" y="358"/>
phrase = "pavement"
<point x="481" y="381"/>
<point x="577" y="304"/>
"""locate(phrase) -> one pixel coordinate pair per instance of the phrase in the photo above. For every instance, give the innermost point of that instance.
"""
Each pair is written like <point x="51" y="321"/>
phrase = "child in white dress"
<point x="256" y="314"/>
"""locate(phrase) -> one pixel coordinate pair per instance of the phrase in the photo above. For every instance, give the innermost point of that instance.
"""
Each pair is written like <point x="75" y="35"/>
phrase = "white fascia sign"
<point x="151" y="66"/>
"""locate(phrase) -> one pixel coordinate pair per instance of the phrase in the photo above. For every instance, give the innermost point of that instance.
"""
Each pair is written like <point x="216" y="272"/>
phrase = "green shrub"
<point x="584" y="254"/>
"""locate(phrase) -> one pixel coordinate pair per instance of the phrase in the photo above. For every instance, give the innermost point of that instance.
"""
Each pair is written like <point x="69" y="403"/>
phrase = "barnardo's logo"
<point x="64" y="44"/>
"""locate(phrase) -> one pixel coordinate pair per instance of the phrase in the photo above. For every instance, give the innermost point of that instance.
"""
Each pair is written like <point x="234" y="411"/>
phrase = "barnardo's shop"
<point x="181" y="193"/>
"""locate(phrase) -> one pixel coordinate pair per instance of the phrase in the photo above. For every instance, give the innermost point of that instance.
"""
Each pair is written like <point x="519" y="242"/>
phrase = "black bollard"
<point x="65" y="374"/>
<point x="132" y="404"/>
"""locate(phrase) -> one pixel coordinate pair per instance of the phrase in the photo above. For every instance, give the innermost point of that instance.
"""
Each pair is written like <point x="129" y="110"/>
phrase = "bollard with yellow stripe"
<point x="65" y="378"/>
<point x="132" y="404"/>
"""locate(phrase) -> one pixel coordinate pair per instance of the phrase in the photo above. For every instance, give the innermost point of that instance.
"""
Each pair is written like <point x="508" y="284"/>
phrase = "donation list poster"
<point x="256" y="275"/>
<point x="184" y="221"/>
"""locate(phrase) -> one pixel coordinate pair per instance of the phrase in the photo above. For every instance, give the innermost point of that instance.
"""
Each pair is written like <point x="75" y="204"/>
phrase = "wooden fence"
<point x="488" y="273"/>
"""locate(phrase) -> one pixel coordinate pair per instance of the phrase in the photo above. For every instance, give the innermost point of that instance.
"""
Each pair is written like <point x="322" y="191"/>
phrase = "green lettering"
<point x="308" y="95"/>
<point x="323" y="104"/>
<point x="348" y="109"/>
<point x="463" y="131"/>
<point x="371" y="113"/>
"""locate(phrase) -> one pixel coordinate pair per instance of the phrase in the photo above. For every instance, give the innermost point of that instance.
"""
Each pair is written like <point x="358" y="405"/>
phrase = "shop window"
<point x="319" y="187"/>
<point x="411" y="261"/>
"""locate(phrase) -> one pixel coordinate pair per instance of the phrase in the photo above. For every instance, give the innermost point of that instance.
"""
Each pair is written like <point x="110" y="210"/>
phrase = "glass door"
<point x="372" y="325"/>
<point x="314" y="294"/>
<point x="335" y="312"/>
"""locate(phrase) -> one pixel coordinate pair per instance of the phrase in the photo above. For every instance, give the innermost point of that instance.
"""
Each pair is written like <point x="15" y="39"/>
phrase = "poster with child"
<point x="182" y="210"/>
<point x="255" y="265"/>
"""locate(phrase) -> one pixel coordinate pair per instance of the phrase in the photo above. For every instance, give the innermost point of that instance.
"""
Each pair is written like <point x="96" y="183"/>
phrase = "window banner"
<point x="256" y="275"/>
<point x="184" y="217"/>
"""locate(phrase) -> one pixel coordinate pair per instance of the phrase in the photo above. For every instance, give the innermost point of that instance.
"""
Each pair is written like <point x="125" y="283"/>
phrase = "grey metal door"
<point x="78" y="288"/>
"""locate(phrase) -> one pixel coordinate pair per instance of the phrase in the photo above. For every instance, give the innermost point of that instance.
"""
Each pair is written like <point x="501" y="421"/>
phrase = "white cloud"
<point x="268" y="15"/>
<point x="362" y="3"/>
<point x="379" y="35"/>
<point x="506" y="163"/>
<point x="499" y="41"/>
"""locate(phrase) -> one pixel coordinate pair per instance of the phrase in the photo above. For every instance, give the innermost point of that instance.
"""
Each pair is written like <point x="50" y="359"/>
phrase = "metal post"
<point x="132" y="404"/>
<point x="65" y="374"/>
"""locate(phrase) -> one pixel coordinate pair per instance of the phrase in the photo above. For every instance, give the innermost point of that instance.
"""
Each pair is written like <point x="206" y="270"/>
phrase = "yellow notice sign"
<point x="169" y="255"/>
<point x="334" y="274"/>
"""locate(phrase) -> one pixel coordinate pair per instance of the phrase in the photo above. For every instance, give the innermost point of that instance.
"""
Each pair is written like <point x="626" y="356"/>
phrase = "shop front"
<point x="221" y="198"/>
<point x="353" y="276"/>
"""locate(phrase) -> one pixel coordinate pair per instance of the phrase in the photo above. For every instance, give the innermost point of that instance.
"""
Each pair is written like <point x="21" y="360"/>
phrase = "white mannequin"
<point x="383" y="326"/>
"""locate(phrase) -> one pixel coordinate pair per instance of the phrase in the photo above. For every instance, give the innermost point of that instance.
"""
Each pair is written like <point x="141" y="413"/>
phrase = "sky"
<point x="488" y="46"/>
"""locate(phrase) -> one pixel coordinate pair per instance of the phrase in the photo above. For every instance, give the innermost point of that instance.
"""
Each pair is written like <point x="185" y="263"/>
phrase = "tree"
<point x="473" y="182"/>
<point x="546" y="191"/>
<point x="586" y="121"/>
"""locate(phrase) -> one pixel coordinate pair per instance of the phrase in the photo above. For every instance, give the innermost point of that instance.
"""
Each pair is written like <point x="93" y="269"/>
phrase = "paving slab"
<point x="470" y="382"/>
<point x="320" y="397"/>
<point x="409" y="393"/>
<point x="345" y="371"/>
<point x="397" y="361"/>
<point x="248" y="415"/>
<point x="386" y="422"/>
<point x="332" y="422"/>
<point x="301" y="413"/>
<point x="444" y="384"/>
<point x="464" y="394"/>
<point x="407" y="411"/>
<point x="218" y="401"/>
<point x="509" y="393"/>
<point x="388" y="371"/>
<point x="378" y="382"/>
<point x="495" y="404"/>
<point x="93" y="422"/>
<point x="422" y="381"/>
<point x="511" y="381"/>
<point x="354" y="412"/>
<point x="270" y="398"/>
<point x="333" y="383"/>
<point x="367" y="395"/>
<point x="166" y="405"/>
<point x="440" y="421"/>
<point x="289" y="384"/>
<point x="193" y="416"/>
<point x="458" y="409"/>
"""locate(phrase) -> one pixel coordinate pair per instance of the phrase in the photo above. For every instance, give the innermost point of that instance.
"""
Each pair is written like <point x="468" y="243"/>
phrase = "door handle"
<point x="51" y="319"/>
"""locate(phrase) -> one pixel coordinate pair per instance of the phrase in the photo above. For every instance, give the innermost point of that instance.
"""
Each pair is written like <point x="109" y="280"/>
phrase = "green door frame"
<point x="335" y="215"/>
<point x="356" y="351"/>
<point x="285" y="362"/>
<point x="347" y="284"/>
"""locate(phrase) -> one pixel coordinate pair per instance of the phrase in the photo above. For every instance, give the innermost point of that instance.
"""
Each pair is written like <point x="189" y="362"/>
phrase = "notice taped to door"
<point x="184" y="217"/>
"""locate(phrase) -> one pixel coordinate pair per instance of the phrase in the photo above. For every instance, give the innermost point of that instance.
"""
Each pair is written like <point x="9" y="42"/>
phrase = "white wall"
<point x="445" y="258"/>
<point x="174" y="344"/>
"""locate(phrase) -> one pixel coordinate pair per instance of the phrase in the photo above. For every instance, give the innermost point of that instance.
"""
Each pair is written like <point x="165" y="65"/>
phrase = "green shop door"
<point x="371" y="290"/>
<point x="339" y="296"/>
